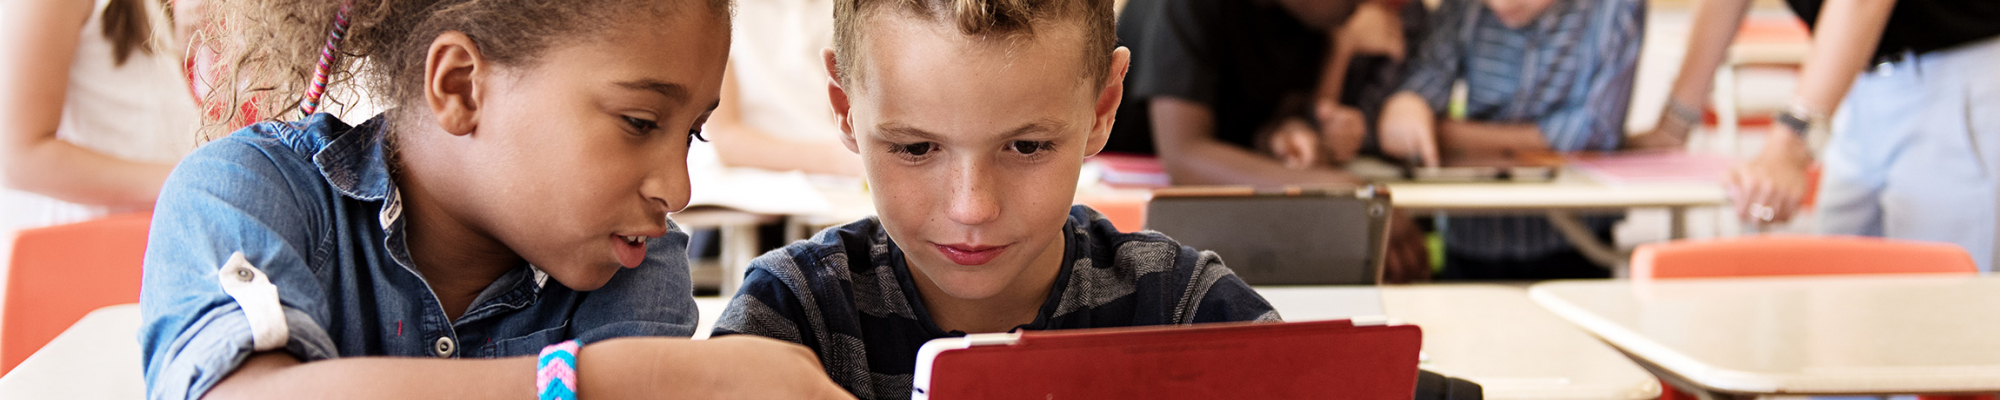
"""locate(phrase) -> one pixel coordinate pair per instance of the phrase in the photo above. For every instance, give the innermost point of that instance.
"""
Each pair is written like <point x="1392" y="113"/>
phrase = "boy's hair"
<point x="985" y="20"/>
<point x="269" y="48"/>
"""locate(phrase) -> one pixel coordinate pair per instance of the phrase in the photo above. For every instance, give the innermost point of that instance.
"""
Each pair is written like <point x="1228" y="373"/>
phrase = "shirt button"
<point x="244" y="274"/>
<point x="444" y="347"/>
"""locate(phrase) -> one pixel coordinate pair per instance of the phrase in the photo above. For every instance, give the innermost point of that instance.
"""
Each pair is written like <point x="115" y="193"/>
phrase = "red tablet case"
<point x="1299" y="360"/>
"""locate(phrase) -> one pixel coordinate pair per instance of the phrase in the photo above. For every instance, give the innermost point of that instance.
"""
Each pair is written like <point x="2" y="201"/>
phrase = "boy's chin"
<point x="968" y="285"/>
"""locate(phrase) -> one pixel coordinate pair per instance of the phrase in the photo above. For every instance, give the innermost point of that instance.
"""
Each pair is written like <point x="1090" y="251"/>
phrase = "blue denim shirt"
<point x="312" y="205"/>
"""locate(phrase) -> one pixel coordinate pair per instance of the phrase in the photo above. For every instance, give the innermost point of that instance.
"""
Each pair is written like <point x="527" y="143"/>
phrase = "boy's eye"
<point x="644" y="126"/>
<point x="914" y="149"/>
<point x="1030" y="147"/>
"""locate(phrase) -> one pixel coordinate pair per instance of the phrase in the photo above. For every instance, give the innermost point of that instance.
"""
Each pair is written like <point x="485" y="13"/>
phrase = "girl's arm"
<point x="1770" y="187"/>
<point x="42" y="37"/>
<point x="737" y="366"/>
<point x="740" y="144"/>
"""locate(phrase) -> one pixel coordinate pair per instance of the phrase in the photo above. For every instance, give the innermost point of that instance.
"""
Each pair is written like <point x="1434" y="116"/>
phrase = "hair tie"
<point x="320" y="72"/>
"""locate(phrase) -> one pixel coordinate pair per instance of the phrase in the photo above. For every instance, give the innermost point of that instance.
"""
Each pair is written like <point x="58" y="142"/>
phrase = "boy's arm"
<point x="630" y="368"/>
<point x="1184" y="133"/>
<point x="1592" y="116"/>
<point x="1408" y="127"/>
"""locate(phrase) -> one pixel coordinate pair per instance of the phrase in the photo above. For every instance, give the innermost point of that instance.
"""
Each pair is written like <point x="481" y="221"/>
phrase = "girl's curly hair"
<point x="269" y="48"/>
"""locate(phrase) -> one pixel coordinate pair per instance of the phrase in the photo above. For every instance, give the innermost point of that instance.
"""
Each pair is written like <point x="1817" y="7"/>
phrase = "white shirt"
<point x="140" y="110"/>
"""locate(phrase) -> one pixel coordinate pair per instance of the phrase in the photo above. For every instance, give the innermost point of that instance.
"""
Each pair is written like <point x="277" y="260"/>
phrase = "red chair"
<point x="60" y="273"/>
<point x="1798" y="255"/>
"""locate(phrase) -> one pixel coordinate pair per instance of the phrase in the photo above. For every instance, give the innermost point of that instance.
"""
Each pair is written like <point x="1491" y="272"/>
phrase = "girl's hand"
<point x="728" y="367"/>
<point x="1769" y="188"/>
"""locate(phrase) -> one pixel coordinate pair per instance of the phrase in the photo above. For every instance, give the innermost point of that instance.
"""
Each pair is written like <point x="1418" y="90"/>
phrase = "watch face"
<point x="1792" y="121"/>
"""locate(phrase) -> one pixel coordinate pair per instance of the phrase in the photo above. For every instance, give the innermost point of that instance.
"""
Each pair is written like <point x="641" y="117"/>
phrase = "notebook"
<point x="1346" y="359"/>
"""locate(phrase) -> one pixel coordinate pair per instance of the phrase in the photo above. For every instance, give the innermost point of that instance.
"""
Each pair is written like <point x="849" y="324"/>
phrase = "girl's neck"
<point x="1019" y="304"/>
<point x="456" y="260"/>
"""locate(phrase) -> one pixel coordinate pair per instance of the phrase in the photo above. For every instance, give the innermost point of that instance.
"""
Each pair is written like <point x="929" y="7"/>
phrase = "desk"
<point x="1798" y="335"/>
<point x="1560" y="200"/>
<point x="1489" y="334"/>
<point x="98" y="358"/>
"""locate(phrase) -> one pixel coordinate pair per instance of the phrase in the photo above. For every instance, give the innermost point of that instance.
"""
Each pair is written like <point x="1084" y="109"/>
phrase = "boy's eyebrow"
<point x="673" y="91"/>
<point x="900" y="130"/>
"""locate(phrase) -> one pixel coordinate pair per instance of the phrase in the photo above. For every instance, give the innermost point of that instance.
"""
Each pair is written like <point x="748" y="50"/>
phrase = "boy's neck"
<point x="457" y="262"/>
<point x="1019" y="304"/>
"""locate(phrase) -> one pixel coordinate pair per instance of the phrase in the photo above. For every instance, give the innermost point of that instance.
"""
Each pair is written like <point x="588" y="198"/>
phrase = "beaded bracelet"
<point x="555" y="371"/>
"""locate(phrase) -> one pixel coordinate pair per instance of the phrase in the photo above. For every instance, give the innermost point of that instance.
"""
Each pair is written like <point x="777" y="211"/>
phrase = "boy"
<point x="1541" y="75"/>
<point x="972" y="119"/>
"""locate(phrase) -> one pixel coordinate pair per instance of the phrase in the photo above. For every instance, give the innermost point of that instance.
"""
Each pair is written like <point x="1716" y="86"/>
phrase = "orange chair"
<point x="1798" y="255"/>
<point x="60" y="273"/>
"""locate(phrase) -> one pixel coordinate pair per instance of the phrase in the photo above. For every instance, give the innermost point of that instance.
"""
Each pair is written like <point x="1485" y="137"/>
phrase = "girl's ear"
<point x="838" y="96"/>
<point x="453" y="75"/>
<point x="1108" y="100"/>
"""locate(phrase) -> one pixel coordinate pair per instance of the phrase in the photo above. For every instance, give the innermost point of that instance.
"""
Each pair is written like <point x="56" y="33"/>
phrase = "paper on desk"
<point x="1653" y="167"/>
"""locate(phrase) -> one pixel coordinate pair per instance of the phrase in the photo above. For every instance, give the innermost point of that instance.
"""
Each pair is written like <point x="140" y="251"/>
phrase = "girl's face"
<point x="585" y="148"/>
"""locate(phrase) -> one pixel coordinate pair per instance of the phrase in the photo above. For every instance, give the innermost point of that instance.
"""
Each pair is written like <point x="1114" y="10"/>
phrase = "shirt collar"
<point x="355" y="160"/>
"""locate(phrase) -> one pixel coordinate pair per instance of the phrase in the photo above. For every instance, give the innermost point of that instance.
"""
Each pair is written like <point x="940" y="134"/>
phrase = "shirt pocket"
<point x="528" y="344"/>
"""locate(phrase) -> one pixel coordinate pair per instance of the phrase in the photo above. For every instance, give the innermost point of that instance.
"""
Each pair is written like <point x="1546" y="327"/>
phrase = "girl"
<point x="95" y="107"/>
<point x="512" y="203"/>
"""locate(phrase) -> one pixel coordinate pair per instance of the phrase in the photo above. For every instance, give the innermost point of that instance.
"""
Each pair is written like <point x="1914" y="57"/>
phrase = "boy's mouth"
<point x="965" y="254"/>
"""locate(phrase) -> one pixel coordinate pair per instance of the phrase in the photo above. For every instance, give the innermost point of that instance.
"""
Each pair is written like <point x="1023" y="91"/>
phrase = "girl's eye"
<point x="913" y="149"/>
<point x="695" y="134"/>
<point x="1030" y="147"/>
<point x="644" y="126"/>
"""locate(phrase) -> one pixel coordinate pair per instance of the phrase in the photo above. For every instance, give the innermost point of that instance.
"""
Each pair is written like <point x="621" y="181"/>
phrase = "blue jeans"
<point x="1915" y="150"/>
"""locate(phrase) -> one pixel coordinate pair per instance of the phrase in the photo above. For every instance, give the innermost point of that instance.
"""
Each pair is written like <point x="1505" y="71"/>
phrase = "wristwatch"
<point x="1811" y="127"/>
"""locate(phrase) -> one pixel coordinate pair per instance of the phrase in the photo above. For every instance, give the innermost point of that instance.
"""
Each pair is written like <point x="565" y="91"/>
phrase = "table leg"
<point x="1677" y="223"/>
<point x="739" y="246"/>
<point x="1587" y="243"/>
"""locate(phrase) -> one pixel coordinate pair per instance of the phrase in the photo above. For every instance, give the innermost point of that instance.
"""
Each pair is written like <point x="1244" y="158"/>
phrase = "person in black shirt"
<point x="1233" y="92"/>
<point x="1918" y="152"/>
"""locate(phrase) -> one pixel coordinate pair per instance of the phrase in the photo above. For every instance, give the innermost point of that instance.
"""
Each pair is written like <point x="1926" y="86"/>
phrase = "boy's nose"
<point x="973" y="201"/>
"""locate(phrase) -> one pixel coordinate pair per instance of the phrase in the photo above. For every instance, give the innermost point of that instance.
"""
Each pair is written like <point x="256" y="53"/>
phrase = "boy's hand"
<point x="1342" y="129"/>
<point x="1295" y="144"/>
<point x="728" y="367"/>
<point x="1409" y="129"/>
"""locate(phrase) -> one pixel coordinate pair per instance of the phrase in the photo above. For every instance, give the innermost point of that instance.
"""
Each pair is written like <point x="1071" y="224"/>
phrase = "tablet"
<point x="1292" y="235"/>
<point x="1362" y="359"/>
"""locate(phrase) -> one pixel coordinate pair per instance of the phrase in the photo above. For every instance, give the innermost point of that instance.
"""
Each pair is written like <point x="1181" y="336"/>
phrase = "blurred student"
<point x="1231" y="92"/>
<point x="1541" y="75"/>
<point x="97" y="111"/>
<point x="972" y="119"/>
<point x="774" y="114"/>
<point x="1917" y="148"/>
<point x="500" y="233"/>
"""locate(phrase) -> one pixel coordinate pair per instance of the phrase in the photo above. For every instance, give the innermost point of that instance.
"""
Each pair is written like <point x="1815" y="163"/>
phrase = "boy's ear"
<point x="1108" y="100"/>
<point x="453" y="71"/>
<point x="838" y="96"/>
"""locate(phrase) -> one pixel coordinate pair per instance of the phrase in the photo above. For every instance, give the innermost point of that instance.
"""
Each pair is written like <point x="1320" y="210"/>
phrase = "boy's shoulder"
<point x="1144" y="274"/>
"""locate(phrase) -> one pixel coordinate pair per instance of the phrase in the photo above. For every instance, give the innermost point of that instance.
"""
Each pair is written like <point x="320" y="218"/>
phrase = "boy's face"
<point x="1518" y="13"/>
<point x="972" y="146"/>
<point x="587" y="145"/>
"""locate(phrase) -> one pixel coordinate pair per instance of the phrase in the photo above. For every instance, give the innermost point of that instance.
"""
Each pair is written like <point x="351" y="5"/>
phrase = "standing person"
<point x="97" y="111"/>
<point x="501" y="232"/>
<point x="774" y="114"/>
<point x="1917" y="143"/>
<point x="1540" y="75"/>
